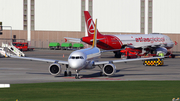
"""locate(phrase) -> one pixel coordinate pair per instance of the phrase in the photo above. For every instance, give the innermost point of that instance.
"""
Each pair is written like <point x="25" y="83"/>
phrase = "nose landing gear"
<point x="67" y="72"/>
<point x="77" y="75"/>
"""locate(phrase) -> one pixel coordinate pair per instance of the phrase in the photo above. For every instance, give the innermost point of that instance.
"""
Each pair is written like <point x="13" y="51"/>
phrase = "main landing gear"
<point x="117" y="54"/>
<point x="67" y="72"/>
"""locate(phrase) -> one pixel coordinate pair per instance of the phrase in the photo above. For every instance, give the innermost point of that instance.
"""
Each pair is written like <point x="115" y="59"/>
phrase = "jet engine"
<point x="161" y="50"/>
<point x="109" y="69"/>
<point x="55" y="69"/>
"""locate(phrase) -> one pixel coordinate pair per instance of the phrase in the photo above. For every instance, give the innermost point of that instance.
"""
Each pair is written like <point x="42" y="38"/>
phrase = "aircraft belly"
<point x="90" y="63"/>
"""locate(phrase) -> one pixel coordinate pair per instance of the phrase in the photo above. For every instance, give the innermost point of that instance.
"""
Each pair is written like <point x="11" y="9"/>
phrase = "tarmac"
<point x="18" y="71"/>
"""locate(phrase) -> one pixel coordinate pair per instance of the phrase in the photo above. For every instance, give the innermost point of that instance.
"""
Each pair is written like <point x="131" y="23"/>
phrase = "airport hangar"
<point x="43" y="21"/>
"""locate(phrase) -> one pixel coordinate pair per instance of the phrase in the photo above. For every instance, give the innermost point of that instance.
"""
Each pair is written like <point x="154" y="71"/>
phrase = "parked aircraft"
<point x="83" y="59"/>
<point x="130" y="45"/>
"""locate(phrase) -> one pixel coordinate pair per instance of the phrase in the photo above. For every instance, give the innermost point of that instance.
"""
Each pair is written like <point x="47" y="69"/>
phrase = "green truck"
<point x="66" y="46"/>
<point x="54" y="46"/>
<point x="78" y="46"/>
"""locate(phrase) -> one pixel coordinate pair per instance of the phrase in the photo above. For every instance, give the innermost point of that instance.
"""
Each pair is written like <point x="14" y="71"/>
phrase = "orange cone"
<point x="63" y="55"/>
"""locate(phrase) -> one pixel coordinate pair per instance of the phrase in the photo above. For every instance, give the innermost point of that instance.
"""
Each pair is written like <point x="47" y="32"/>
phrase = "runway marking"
<point x="95" y="78"/>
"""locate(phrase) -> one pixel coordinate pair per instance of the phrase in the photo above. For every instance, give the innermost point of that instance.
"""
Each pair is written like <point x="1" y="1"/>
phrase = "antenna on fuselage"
<point x="95" y="35"/>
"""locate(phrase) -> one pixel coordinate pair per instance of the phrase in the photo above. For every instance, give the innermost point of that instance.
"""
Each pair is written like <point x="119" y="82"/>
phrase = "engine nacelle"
<point x="109" y="69"/>
<point x="161" y="50"/>
<point x="55" y="69"/>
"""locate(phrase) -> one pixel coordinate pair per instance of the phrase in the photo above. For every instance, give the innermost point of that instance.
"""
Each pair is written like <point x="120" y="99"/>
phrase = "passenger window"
<point x="77" y="57"/>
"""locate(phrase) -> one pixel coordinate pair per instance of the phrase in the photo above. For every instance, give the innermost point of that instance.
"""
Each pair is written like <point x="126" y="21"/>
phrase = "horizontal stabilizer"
<point x="72" y="39"/>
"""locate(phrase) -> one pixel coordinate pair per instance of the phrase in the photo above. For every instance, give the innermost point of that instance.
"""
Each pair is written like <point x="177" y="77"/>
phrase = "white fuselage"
<point x="84" y="58"/>
<point x="145" y="40"/>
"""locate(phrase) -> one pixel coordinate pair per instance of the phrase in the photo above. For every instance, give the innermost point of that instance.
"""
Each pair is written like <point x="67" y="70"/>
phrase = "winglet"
<point x="95" y="35"/>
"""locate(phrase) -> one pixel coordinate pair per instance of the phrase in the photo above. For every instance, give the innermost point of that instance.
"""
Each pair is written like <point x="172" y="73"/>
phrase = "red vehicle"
<point x="22" y="46"/>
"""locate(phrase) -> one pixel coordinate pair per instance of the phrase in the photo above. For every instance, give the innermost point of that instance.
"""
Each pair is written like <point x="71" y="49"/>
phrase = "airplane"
<point x="136" y="45"/>
<point x="83" y="59"/>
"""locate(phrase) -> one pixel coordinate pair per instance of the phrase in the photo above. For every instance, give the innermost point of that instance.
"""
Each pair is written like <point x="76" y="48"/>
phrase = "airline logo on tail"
<point x="90" y="26"/>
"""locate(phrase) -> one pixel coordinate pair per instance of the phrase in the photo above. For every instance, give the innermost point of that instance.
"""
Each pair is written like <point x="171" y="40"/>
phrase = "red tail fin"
<point x="90" y="24"/>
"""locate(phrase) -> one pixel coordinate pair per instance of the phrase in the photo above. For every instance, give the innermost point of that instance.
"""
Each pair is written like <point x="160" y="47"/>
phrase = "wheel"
<point x="145" y="64"/>
<point x="117" y="54"/>
<point x="101" y="73"/>
<point x="65" y="73"/>
<point x="69" y="73"/>
<point x="77" y="77"/>
<point x="173" y="56"/>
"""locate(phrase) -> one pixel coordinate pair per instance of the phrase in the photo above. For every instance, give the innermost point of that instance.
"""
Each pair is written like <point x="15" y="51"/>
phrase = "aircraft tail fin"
<point x="90" y="24"/>
<point x="95" y="35"/>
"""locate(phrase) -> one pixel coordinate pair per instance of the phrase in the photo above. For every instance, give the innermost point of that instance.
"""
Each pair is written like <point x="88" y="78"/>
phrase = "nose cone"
<point x="170" y="45"/>
<point x="76" y="63"/>
<point x="76" y="60"/>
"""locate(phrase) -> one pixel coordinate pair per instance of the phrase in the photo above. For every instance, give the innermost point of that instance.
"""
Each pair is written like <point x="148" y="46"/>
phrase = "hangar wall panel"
<point x="59" y="15"/>
<point x="11" y="12"/>
<point x="166" y="16"/>
<point x="117" y="15"/>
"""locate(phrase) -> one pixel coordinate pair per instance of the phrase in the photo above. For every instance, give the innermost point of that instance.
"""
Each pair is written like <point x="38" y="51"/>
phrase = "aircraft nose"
<point x="76" y="64"/>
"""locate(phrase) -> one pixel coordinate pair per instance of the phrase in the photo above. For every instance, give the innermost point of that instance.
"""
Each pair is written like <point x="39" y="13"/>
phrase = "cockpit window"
<point x="81" y="57"/>
<point x="76" y="57"/>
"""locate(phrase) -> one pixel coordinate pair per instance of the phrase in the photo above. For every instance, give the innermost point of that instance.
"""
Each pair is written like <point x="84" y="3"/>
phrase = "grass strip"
<point x="93" y="91"/>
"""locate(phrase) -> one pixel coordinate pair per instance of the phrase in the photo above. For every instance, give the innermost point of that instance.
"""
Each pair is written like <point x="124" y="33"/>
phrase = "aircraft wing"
<point x="123" y="60"/>
<point x="40" y="59"/>
<point x="72" y="39"/>
<point x="110" y="50"/>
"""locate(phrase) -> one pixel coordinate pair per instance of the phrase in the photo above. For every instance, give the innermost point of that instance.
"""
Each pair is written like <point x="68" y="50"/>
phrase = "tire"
<point x="69" y="73"/>
<point x="65" y="73"/>
<point x="117" y="54"/>
<point x="145" y="64"/>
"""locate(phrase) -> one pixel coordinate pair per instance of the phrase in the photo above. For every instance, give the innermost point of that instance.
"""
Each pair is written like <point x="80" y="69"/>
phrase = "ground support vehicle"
<point x="128" y="53"/>
<point x="66" y="46"/>
<point x="153" y="62"/>
<point x="78" y="46"/>
<point x="54" y="46"/>
<point x="22" y="46"/>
